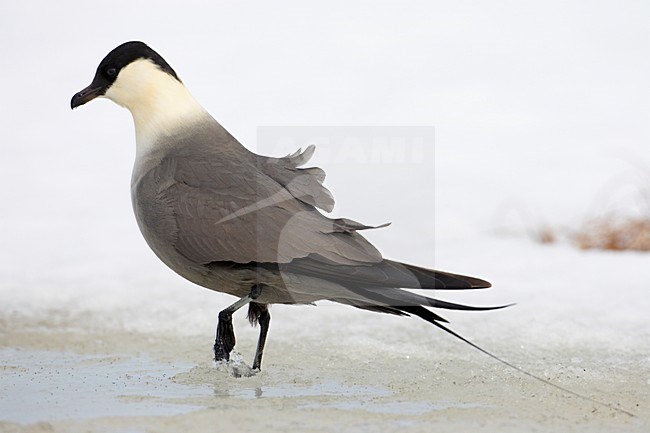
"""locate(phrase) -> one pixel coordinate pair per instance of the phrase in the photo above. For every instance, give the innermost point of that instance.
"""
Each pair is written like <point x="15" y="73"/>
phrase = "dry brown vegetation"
<point x="614" y="234"/>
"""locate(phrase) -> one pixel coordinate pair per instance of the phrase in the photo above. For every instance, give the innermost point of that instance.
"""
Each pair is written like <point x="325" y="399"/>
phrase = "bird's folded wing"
<point x="305" y="184"/>
<point x="226" y="209"/>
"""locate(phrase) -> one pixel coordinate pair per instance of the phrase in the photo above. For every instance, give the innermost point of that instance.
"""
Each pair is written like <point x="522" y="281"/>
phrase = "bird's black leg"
<point x="259" y="313"/>
<point x="225" y="339"/>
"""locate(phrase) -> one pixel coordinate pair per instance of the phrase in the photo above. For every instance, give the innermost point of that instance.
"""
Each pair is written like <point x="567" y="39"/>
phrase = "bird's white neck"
<point x="159" y="103"/>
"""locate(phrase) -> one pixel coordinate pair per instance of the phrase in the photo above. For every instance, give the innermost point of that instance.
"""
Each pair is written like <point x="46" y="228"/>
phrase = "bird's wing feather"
<point x="305" y="184"/>
<point x="226" y="209"/>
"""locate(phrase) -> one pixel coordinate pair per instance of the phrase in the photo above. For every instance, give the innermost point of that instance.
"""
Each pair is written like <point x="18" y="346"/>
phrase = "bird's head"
<point x="138" y="78"/>
<point x="129" y="73"/>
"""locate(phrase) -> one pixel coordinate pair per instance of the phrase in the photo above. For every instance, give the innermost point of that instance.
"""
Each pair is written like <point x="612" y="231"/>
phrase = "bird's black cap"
<point x="110" y="67"/>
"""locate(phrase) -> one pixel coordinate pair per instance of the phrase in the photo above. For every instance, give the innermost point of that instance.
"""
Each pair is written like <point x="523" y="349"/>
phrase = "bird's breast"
<point x="154" y="214"/>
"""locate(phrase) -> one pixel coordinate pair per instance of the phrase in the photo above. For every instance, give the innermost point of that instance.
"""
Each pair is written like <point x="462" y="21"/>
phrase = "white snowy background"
<point x="541" y="116"/>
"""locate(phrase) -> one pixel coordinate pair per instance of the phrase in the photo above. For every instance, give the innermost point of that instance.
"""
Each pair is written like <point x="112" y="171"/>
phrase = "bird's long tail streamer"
<point x="547" y="382"/>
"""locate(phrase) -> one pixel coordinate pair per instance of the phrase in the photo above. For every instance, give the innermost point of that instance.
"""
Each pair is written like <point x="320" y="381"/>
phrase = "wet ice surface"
<point x="90" y="383"/>
<point x="401" y="408"/>
<point x="41" y="385"/>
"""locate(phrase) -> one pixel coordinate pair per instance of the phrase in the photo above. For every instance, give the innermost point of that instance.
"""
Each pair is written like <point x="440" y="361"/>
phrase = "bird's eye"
<point x="111" y="72"/>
